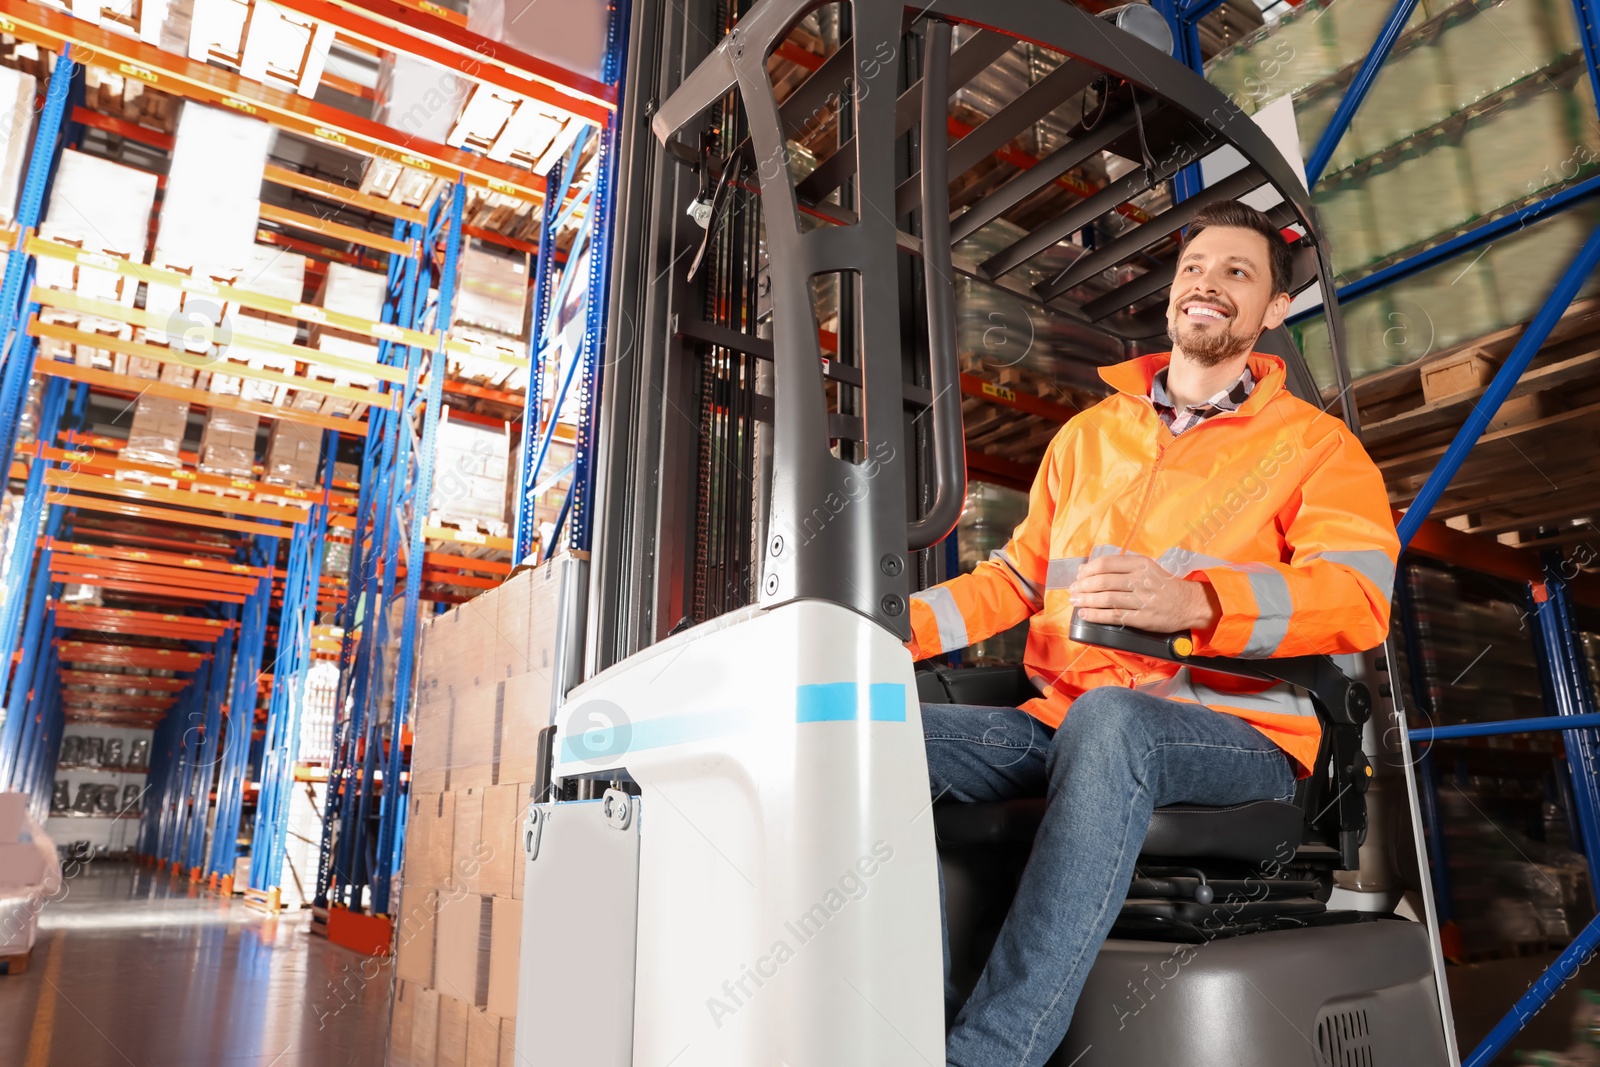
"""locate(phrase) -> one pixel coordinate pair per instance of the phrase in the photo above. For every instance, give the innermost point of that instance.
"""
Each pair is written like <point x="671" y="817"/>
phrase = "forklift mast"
<point x="731" y="439"/>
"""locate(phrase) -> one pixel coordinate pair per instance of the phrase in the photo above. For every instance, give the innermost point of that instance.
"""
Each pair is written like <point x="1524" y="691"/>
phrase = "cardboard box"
<point x="293" y="451"/>
<point x="483" y="1039"/>
<point x="401" y="1023"/>
<point x="101" y="205"/>
<point x="158" y="429"/>
<point x="453" y="1016"/>
<point x="473" y="737"/>
<point x="508" y="1043"/>
<point x="228" y="443"/>
<point x="16" y="125"/>
<point x="425" y="1028"/>
<point x="468" y="853"/>
<point x="430" y="838"/>
<point x="461" y="966"/>
<point x="505" y="953"/>
<point x="416" y="933"/>
<point x="504" y="808"/>
<point x="218" y="160"/>
<point x="527" y="710"/>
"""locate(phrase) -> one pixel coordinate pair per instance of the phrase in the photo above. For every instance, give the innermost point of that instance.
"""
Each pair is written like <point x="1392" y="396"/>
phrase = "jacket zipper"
<point x="1149" y="490"/>
<point x="1155" y="468"/>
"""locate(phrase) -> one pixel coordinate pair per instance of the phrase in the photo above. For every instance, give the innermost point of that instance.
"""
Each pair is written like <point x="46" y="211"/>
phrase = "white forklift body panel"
<point x="787" y="902"/>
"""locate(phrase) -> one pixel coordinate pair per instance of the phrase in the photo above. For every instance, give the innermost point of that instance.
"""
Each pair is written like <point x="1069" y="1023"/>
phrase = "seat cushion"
<point x="1249" y="833"/>
<point x="1255" y="832"/>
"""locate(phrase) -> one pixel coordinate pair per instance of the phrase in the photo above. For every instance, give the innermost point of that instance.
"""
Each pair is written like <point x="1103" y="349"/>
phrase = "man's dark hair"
<point x="1244" y="217"/>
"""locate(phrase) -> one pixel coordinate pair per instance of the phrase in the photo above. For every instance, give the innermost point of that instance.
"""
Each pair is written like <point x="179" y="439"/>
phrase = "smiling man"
<point x="1200" y="496"/>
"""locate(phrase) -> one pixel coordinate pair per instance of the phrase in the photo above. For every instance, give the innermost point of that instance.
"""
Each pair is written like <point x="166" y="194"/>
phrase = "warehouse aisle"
<point x="131" y="968"/>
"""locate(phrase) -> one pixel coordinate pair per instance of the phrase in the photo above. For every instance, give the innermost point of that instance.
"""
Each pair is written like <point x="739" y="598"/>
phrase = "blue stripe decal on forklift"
<point x="825" y="702"/>
<point x="841" y="702"/>
<point x="886" y="702"/>
<point x="594" y="746"/>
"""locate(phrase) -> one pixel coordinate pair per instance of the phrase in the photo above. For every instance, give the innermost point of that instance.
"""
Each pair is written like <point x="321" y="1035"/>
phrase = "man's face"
<point x="1222" y="296"/>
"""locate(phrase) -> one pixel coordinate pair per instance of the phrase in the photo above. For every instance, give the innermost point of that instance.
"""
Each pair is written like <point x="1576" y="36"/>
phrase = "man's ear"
<point x="1277" y="311"/>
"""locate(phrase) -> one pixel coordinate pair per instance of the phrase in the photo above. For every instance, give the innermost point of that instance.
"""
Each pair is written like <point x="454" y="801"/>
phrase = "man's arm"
<point x="1333" y="594"/>
<point x="1001" y="591"/>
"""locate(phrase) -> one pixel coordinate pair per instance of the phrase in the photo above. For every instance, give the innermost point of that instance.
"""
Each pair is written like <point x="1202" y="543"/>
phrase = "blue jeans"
<point x="1118" y="756"/>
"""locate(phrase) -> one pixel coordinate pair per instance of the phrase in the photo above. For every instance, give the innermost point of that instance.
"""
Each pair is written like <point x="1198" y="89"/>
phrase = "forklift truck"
<point x="733" y="860"/>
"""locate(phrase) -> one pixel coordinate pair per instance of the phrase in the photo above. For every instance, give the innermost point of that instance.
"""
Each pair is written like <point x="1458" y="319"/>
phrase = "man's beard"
<point x="1210" y="349"/>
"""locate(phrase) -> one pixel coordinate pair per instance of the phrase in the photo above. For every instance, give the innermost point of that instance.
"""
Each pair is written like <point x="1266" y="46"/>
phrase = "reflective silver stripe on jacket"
<point x="1030" y="591"/>
<point x="1176" y="561"/>
<point x="952" y="627"/>
<point x="1273" y="608"/>
<point x="1371" y="563"/>
<point x="1281" y="699"/>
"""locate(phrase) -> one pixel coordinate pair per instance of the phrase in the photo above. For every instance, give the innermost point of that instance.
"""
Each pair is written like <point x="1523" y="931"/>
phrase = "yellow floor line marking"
<point x="44" y="1017"/>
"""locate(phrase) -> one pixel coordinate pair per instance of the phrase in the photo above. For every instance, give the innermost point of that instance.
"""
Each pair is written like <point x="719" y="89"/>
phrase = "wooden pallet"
<point x="1532" y="467"/>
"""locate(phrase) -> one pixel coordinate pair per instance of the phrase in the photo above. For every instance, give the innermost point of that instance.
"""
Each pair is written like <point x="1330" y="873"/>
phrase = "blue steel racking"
<point x="1568" y="692"/>
<point x="586" y="364"/>
<point x="354" y="869"/>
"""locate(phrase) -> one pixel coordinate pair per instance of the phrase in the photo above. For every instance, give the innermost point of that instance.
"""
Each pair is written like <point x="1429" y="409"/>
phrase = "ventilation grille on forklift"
<point x="1344" y="1039"/>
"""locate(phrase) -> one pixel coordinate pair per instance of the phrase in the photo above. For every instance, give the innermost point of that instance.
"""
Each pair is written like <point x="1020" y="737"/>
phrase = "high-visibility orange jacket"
<point x="1276" y="505"/>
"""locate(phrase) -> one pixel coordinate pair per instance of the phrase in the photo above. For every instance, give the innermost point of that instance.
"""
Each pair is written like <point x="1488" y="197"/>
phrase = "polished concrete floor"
<point x="134" y="968"/>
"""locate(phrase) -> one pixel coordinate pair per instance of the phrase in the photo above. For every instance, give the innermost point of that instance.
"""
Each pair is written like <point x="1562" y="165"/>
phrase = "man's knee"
<point x="1103" y="722"/>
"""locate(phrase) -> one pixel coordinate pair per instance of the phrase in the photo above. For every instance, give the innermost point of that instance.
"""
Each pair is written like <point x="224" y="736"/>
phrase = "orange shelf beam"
<point x="466" y="563"/>
<point x="98" y="120"/>
<point x="127" y="386"/>
<point x="342" y="194"/>
<point x="90" y="460"/>
<point x="393" y="26"/>
<point x="168" y="559"/>
<point x="50" y="29"/>
<point x="150" y="572"/>
<point x="139" y="491"/>
<point x="336" y="230"/>
<point x="1007" y="397"/>
<point x="175" y="592"/>
<point x="158" y="659"/>
<point x="122" y="681"/>
<point x="159" y="514"/>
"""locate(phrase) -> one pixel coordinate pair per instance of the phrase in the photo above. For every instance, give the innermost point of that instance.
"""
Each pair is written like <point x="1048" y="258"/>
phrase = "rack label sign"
<point x="308" y="313"/>
<point x="239" y="105"/>
<point x="329" y="135"/>
<point x="998" y="391"/>
<point x="387" y="331"/>
<point x="142" y="73"/>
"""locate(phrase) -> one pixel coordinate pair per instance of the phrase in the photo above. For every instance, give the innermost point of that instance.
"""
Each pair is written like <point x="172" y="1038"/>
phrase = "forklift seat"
<point x="1252" y="833"/>
<point x="1233" y="870"/>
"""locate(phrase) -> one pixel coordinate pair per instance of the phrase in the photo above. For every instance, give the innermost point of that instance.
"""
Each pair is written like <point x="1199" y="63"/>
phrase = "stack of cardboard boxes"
<point x="488" y="672"/>
<point x="156" y="435"/>
<point x="470" y="475"/>
<point x="293" y="450"/>
<point x="103" y="208"/>
<point x="218" y="160"/>
<point x="228" y="443"/>
<point x="349" y="291"/>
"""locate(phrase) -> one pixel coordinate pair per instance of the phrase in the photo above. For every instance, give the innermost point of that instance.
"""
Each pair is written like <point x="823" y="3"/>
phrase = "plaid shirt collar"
<point x="1180" y="419"/>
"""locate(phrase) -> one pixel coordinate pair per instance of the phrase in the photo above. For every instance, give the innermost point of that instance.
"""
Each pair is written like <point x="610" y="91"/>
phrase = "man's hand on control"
<point x="1134" y="590"/>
